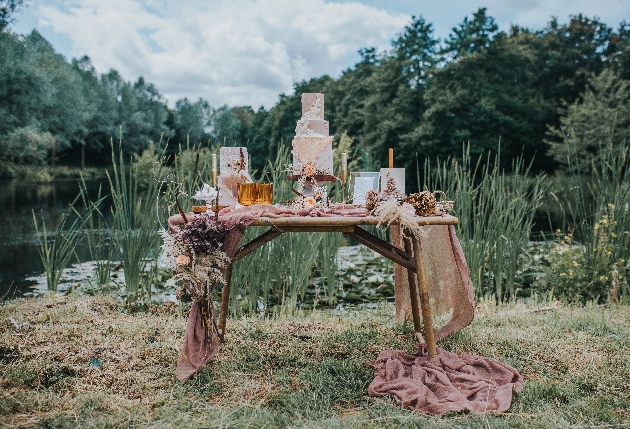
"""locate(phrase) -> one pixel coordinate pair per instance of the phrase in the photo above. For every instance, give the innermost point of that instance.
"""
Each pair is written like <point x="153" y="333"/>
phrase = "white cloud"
<point x="235" y="52"/>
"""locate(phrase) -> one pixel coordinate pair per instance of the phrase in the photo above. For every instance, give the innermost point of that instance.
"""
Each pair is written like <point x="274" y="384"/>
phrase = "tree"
<point x="487" y="96"/>
<point x="471" y="36"/>
<point x="7" y="9"/>
<point x="100" y="114"/>
<point x="417" y="47"/>
<point x="599" y="119"/>
<point x="63" y="109"/>
<point x="19" y="85"/>
<point x="226" y="127"/>
<point x="137" y="109"/>
<point x="619" y="50"/>
<point x="573" y="52"/>
<point x="192" y="121"/>
<point x="26" y="146"/>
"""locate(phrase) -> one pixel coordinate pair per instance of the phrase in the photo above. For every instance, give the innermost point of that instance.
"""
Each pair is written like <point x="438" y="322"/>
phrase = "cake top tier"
<point x="313" y="106"/>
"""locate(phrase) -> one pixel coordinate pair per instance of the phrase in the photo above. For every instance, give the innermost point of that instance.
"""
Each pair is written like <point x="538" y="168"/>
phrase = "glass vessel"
<point x="264" y="193"/>
<point x="247" y="194"/>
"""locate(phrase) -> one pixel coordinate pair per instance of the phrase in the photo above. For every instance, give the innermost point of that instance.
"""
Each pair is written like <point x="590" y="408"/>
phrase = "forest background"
<point x="535" y="94"/>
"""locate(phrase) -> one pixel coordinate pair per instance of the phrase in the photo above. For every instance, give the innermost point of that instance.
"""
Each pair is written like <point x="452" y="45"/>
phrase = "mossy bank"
<point x="88" y="362"/>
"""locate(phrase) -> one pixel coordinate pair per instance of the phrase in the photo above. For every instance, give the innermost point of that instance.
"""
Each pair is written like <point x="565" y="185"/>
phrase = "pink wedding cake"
<point x="312" y="144"/>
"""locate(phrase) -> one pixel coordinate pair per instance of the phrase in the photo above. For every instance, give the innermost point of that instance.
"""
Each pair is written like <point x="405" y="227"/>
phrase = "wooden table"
<point x="410" y="258"/>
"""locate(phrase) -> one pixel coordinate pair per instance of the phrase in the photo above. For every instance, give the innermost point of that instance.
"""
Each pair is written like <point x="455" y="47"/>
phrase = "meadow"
<point x="300" y="342"/>
<point x="89" y="362"/>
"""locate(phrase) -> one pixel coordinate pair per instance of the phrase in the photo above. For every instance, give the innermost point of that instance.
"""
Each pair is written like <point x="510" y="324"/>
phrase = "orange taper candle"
<point x="391" y="158"/>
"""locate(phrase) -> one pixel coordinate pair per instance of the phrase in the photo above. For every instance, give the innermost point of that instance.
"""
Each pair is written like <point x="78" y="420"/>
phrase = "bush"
<point x="26" y="146"/>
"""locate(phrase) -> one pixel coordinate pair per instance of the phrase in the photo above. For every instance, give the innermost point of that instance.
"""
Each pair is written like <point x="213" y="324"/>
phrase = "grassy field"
<point x="86" y="362"/>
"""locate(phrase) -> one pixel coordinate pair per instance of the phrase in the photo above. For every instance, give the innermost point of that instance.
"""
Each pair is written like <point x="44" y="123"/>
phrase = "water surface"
<point x="19" y="257"/>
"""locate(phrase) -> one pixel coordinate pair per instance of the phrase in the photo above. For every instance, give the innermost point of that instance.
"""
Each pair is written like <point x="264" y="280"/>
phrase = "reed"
<point x="192" y="168"/>
<point x="135" y="223"/>
<point x="56" y="248"/>
<point x="97" y="234"/>
<point x="285" y="266"/>
<point x="590" y="260"/>
<point x="496" y="213"/>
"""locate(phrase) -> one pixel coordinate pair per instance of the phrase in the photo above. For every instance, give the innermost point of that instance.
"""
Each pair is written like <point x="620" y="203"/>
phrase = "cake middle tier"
<point x="313" y="150"/>
<point x="319" y="126"/>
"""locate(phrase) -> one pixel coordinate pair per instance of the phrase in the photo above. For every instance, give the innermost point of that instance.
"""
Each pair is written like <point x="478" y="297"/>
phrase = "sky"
<point x="248" y="52"/>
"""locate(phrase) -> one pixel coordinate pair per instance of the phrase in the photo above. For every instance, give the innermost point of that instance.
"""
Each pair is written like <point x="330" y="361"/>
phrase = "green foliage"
<point x="588" y="126"/>
<point x="56" y="248"/>
<point x="26" y="146"/>
<point x="496" y="212"/>
<point x="594" y="254"/>
<point x="471" y="36"/>
<point x="7" y="9"/>
<point x="479" y="100"/>
<point x="416" y="46"/>
<point x="478" y="86"/>
<point x="135" y="225"/>
<point x="191" y="121"/>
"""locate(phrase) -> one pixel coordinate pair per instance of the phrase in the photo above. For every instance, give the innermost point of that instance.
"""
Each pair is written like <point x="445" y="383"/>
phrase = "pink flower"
<point x="310" y="202"/>
<point x="309" y="170"/>
<point x="182" y="260"/>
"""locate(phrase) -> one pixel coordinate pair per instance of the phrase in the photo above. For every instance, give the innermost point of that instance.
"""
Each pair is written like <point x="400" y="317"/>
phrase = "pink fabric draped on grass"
<point x="448" y="383"/>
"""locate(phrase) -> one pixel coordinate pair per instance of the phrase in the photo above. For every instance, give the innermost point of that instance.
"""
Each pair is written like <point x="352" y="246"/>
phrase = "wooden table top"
<point x="344" y="221"/>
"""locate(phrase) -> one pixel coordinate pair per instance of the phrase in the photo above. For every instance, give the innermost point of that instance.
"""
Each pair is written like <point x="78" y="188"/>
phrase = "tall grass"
<point x="56" y="248"/>
<point x="496" y="212"/>
<point x="285" y="266"/>
<point x="97" y="234"/>
<point x="135" y="224"/>
<point x="591" y="259"/>
<point x="191" y="168"/>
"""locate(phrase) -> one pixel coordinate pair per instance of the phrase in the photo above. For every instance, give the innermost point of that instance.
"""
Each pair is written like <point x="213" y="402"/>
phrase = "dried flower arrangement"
<point x="422" y="202"/>
<point x="319" y="196"/>
<point x="391" y="192"/>
<point x="194" y="254"/>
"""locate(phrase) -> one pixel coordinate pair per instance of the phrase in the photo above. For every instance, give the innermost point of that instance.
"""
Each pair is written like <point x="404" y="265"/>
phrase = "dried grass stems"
<point x="298" y="371"/>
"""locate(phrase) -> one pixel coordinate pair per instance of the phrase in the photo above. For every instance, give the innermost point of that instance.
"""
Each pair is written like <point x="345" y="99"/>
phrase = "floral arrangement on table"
<point x="194" y="254"/>
<point x="318" y="196"/>
<point x="207" y="194"/>
<point x="391" y="205"/>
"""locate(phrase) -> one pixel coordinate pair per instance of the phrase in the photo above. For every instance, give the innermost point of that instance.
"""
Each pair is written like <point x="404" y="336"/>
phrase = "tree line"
<point x="535" y="94"/>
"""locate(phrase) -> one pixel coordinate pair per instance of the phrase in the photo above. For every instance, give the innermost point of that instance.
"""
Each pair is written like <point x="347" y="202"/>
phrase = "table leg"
<point x="413" y="293"/>
<point x="225" y="301"/>
<point x="424" y="299"/>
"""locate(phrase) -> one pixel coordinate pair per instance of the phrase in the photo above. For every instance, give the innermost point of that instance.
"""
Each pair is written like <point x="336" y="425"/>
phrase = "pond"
<point x="21" y="267"/>
<point x="19" y="257"/>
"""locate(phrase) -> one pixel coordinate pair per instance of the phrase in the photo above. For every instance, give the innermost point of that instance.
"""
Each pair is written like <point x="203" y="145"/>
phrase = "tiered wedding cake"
<point x="312" y="146"/>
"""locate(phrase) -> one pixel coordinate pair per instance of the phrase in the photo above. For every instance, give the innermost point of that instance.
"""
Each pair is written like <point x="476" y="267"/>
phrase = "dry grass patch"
<point x="302" y="371"/>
